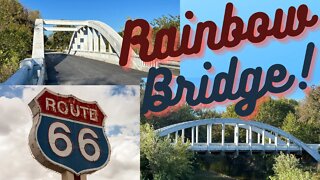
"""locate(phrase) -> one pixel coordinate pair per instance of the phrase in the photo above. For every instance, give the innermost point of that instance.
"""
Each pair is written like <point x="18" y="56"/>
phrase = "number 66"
<point x="82" y="142"/>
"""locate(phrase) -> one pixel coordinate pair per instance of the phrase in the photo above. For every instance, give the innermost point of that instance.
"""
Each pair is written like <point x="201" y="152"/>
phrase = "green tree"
<point x="207" y="114"/>
<point x="309" y="112"/>
<point x="58" y="41"/>
<point x="15" y="35"/>
<point x="274" y="111"/>
<point x="230" y="112"/>
<point x="287" y="167"/>
<point x="165" y="22"/>
<point x="185" y="113"/>
<point x="160" y="159"/>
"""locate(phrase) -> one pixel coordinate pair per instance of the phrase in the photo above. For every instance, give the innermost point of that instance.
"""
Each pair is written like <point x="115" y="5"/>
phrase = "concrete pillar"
<point x="208" y="134"/>
<point x="81" y="39"/>
<point x="288" y="142"/>
<point x="259" y="138"/>
<point x="182" y="136"/>
<point x="222" y="134"/>
<point x="78" y="45"/>
<point x="95" y="41"/>
<point x="74" y="43"/>
<point x="38" y="40"/>
<point x="247" y="136"/>
<point x="192" y="136"/>
<point x="109" y="48"/>
<point x="276" y="140"/>
<point x="176" y="139"/>
<point x="250" y="136"/>
<point x="85" y="39"/>
<point x="236" y="135"/>
<point x="103" y="47"/>
<point x="263" y="136"/>
<point x="269" y="140"/>
<point x="90" y="39"/>
<point x="197" y="134"/>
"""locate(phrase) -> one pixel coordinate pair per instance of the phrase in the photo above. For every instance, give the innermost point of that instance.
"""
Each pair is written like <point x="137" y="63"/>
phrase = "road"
<point x="73" y="70"/>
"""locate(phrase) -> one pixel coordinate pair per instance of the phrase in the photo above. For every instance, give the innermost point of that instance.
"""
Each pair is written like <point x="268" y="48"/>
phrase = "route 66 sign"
<point x="68" y="134"/>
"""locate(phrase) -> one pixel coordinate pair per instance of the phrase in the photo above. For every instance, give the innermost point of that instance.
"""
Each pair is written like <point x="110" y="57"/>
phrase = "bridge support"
<point x="236" y="135"/>
<point x="176" y="139"/>
<point x="197" y="134"/>
<point x="263" y="137"/>
<point x="103" y="47"/>
<point x="95" y="41"/>
<point x="38" y="40"/>
<point x="209" y="134"/>
<point x="250" y="136"/>
<point x="90" y="39"/>
<point x="222" y="134"/>
<point x="192" y="136"/>
<point x="182" y="135"/>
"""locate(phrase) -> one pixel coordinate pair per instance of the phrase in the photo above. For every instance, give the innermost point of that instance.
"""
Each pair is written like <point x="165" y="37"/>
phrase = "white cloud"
<point x="16" y="121"/>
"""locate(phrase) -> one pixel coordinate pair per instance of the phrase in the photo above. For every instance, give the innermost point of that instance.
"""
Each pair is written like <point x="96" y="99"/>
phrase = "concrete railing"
<point x="31" y="72"/>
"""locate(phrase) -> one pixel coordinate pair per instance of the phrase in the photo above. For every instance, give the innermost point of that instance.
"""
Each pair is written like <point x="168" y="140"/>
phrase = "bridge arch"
<point x="90" y="39"/>
<point x="267" y="131"/>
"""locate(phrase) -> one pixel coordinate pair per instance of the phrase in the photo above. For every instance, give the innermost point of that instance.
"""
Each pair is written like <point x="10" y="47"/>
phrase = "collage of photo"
<point x="159" y="90"/>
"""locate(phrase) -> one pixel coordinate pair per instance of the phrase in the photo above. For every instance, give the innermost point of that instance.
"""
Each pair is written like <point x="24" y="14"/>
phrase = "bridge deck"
<point x="245" y="147"/>
<point x="73" y="70"/>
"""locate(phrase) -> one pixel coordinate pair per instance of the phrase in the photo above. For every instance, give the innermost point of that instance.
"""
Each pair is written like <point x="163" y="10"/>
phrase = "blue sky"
<point x="114" y="13"/>
<point x="290" y="53"/>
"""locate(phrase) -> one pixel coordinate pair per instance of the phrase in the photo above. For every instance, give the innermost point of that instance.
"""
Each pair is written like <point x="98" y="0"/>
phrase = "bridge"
<point x="92" y="57"/>
<point x="259" y="137"/>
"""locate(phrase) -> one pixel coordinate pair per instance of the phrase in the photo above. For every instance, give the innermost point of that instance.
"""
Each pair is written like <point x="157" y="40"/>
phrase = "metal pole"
<point x="70" y="176"/>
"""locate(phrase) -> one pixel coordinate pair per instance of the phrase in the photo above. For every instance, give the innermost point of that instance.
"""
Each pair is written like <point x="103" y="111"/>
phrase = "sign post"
<point x="68" y="135"/>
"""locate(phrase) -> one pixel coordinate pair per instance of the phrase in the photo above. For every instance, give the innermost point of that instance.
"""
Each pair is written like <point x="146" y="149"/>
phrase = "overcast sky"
<point x="120" y="104"/>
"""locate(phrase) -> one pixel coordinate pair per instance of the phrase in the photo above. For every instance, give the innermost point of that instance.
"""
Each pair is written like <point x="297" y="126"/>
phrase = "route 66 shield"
<point x="68" y="133"/>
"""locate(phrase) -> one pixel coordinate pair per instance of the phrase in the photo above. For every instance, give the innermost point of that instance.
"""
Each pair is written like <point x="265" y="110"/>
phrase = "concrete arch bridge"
<point x="259" y="137"/>
<point x="92" y="57"/>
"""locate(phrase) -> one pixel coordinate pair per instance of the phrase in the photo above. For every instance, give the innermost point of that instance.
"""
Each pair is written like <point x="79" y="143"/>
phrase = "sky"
<point x="289" y="53"/>
<point x="113" y="13"/>
<point x="119" y="103"/>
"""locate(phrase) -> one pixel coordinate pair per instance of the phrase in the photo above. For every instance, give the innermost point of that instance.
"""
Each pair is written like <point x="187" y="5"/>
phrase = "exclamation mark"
<point x="306" y="66"/>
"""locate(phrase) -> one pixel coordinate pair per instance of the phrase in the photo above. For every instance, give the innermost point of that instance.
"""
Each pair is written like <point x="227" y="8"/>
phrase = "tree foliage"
<point x="185" y="113"/>
<point x="271" y="111"/>
<point x="274" y="111"/>
<point x="15" y="35"/>
<point x="160" y="160"/>
<point x="58" y="41"/>
<point x="288" y="167"/>
<point x="309" y="116"/>
<point x="165" y="22"/>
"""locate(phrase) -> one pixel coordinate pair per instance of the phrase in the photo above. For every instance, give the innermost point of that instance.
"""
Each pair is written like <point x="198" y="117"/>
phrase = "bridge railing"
<point x="31" y="72"/>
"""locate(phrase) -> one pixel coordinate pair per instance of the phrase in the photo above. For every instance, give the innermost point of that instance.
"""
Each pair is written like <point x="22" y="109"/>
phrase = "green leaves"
<point x="162" y="160"/>
<point x="15" y="35"/>
<point x="287" y="167"/>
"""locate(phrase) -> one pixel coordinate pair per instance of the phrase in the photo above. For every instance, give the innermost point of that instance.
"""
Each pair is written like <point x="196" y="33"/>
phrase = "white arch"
<point x="256" y="126"/>
<point x="98" y="33"/>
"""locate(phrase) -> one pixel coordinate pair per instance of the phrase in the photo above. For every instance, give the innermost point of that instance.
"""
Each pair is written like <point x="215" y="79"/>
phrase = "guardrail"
<point x="31" y="72"/>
